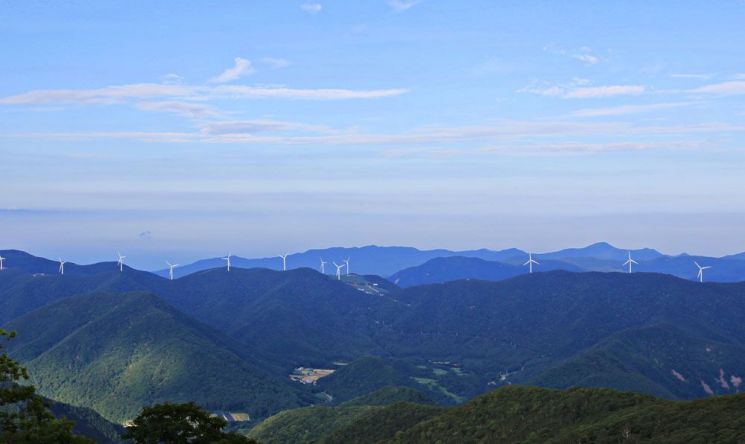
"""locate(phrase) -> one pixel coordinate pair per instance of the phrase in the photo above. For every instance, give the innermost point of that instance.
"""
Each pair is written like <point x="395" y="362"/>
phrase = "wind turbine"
<point x="170" y="269"/>
<point x="629" y="262"/>
<point x="346" y="261"/>
<point x="2" y="260"/>
<point x="338" y="270"/>
<point x="284" y="261"/>
<point x="530" y="262"/>
<point x="120" y="261"/>
<point x="227" y="260"/>
<point x="701" y="269"/>
<point x="61" y="266"/>
<point x="323" y="266"/>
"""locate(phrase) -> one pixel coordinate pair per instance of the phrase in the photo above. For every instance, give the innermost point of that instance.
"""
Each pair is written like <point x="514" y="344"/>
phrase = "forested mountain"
<point x="520" y="414"/>
<point x="645" y="332"/>
<point x="312" y="424"/>
<point x="117" y="352"/>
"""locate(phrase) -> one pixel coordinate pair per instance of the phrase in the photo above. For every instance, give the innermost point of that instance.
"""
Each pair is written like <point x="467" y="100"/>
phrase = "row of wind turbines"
<point x="629" y="262"/>
<point x="530" y="262"/>
<point x="227" y="258"/>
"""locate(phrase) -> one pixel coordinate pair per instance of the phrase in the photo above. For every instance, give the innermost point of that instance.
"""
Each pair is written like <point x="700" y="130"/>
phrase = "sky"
<point x="181" y="130"/>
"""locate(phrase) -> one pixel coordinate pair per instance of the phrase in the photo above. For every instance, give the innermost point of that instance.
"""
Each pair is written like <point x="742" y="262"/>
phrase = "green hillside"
<point x="116" y="353"/>
<point x="311" y="424"/>
<point x="536" y="415"/>
<point x="520" y="414"/>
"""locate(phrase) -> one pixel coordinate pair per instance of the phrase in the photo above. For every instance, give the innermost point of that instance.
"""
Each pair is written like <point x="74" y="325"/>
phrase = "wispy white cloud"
<point x="312" y="8"/>
<point x="403" y="5"/>
<point x="106" y="95"/>
<point x="306" y="94"/>
<point x="123" y="93"/>
<point x="627" y="109"/>
<point x="241" y="68"/>
<point x="592" y="92"/>
<point x="585" y="92"/>
<point x="188" y="109"/>
<point x="725" y="88"/>
<point x="259" y="126"/>
<point x="171" y="79"/>
<point x="584" y="54"/>
<point x="275" y="63"/>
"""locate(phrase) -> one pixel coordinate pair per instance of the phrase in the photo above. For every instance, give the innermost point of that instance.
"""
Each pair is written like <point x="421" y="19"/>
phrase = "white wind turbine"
<point x="284" y="261"/>
<point x="629" y="262"/>
<point x="338" y="270"/>
<point x="323" y="266"/>
<point x="120" y="261"/>
<point x="701" y="269"/>
<point x="61" y="266"/>
<point x="530" y="263"/>
<point x="170" y="269"/>
<point x="346" y="262"/>
<point x="2" y="261"/>
<point x="227" y="260"/>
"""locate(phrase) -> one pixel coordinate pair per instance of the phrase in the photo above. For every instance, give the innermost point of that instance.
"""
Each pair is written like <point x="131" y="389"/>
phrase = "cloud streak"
<point x="311" y="8"/>
<point x="241" y="68"/>
<point x="403" y="5"/>
<point x="585" y="92"/>
<point x="734" y="87"/>
<point x="123" y="93"/>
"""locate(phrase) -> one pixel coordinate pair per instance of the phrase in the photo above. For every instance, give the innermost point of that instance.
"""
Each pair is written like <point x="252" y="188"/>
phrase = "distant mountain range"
<point x="408" y="266"/>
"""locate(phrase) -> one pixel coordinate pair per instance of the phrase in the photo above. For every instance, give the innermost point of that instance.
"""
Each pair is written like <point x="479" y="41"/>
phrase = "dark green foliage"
<point x="116" y="353"/>
<point x="363" y="376"/>
<point x="391" y="395"/>
<point x="180" y="424"/>
<point x="312" y="424"/>
<point x="306" y="425"/>
<point x="24" y="416"/>
<point x="88" y="423"/>
<point x="535" y="415"/>
<point x="383" y="424"/>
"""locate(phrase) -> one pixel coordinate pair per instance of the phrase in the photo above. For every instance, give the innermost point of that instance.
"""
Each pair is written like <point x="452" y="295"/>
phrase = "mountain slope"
<point x="310" y="424"/>
<point x="371" y="259"/>
<point x="88" y="423"/>
<point x="116" y="353"/>
<point x="447" y="269"/>
<point x="525" y="414"/>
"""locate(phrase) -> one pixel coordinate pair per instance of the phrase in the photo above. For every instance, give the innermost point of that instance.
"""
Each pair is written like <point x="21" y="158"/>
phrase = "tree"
<point x="180" y="424"/>
<point x="24" y="417"/>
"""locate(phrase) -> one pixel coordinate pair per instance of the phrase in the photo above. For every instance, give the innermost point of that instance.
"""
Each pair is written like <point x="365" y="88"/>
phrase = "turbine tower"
<point x="227" y="260"/>
<point x="323" y="266"/>
<point x="120" y="261"/>
<point x="61" y="266"/>
<point x="284" y="261"/>
<point x="630" y="262"/>
<point x="170" y="269"/>
<point x="2" y="261"/>
<point x="338" y="270"/>
<point x="346" y="262"/>
<point x="530" y="263"/>
<point x="701" y="269"/>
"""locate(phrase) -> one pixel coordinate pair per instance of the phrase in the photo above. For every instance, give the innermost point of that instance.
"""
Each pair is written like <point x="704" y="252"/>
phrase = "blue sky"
<point x="186" y="129"/>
